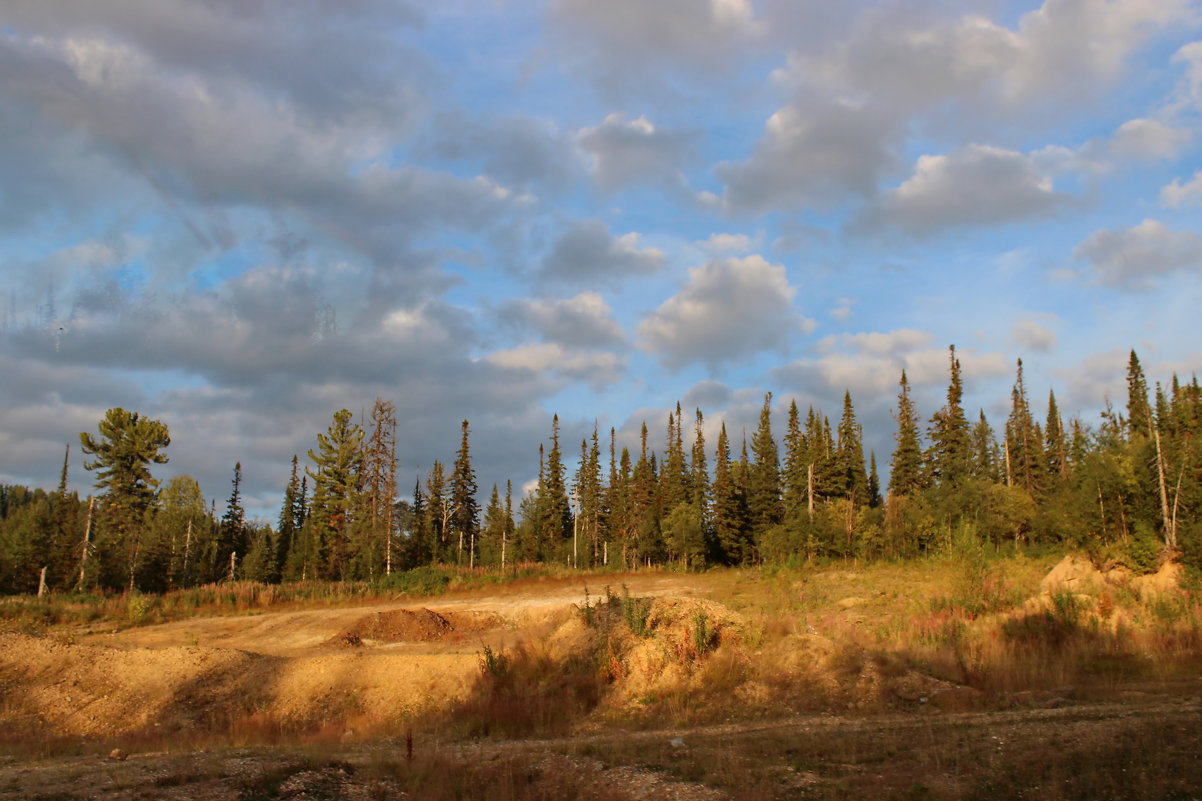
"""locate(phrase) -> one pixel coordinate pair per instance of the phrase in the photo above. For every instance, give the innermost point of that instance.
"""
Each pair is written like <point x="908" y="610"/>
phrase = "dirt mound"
<point x="1071" y="574"/>
<point x="415" y="625"/>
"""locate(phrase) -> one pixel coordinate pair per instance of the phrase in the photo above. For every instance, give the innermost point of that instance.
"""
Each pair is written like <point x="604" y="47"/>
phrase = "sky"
<point x="240" y="216"/>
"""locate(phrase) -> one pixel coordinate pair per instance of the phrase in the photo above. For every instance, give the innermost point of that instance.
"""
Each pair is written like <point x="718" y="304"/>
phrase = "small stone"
<point x="117" y="755"/>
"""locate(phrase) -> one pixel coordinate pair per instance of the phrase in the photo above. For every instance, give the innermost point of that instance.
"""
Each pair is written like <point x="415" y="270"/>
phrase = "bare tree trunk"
<point x="87" y="542"/>
<point x="1170" y="533"/>
<point x="810" y="490"/>
<point x="233" y="563"/>
<point x="1102" y="508"/>
<point x="1009" y="478"/>
<point x="42" y="583"/>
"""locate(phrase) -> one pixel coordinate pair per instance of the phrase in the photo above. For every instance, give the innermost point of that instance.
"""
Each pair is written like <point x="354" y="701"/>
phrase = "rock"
<point x="677" y="742"/>
<point x="1073" y="573"/>
<point x="117" y="755"/>
<point x="1163" y="581"/>
<point x="848" y="603"/>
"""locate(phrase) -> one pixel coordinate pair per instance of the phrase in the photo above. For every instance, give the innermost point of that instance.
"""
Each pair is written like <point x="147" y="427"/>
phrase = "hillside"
<point x="817" y="682"/>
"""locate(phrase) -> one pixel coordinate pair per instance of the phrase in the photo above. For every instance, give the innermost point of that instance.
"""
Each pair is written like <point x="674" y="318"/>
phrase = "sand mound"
<point x="415" y="625"/>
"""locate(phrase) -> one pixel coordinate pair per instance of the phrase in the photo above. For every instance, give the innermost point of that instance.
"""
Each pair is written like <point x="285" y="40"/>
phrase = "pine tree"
<point x="984" y="448"/>
<point x="1024" y="451"/>
<point x="905" y="471"/>
<point x="465" y="511"/>
<point x="232" y="540"/>
<point x="288" y="525"/>
<point x="764" y="487"/>
<point x="674" y="489"/>
<point x="438" y="513"/>
<point x="729" y="511"/>
<point x="338" y="460"/>
<point x="379" y="486"/>
<point x="874" y="482"/>
<point x="1057" y="443"/>
<point x="588" y="494"/>
<point x="699" y="480"/>
<point x="555" y="525"/>
<point x="1139" y="413"/>
<point x="950" y="455"/>
<point x="795" y="478"/>
<point x="849" y="451"/>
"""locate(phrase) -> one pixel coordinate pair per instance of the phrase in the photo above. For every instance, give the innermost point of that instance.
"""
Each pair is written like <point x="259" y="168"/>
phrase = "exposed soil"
<point x="344" y="685"/>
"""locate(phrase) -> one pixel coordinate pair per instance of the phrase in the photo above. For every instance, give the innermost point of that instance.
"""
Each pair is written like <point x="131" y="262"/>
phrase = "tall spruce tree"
<point x="465" y="510"/>
<point x="853" y="478"/>
<point x="763" y="486"/>
<point x="1139" y="412"/>
<point x="729" y="511"/>
<point x="231" y="537"/>
<point x="905" y="470"/>
<point x="555" y="524"/>
<point x="949" y="457"/>
<point x="338" y="460"/>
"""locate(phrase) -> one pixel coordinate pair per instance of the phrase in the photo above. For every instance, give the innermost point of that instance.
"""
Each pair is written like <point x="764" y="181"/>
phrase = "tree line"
<point x="1126" y="487"/>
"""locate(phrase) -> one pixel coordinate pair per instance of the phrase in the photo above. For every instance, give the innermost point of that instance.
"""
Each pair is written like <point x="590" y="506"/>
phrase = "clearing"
<point x="872" y="683"/>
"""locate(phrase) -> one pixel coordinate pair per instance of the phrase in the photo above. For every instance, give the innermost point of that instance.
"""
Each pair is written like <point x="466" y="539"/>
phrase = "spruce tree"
<point x="950" y="455"/>
<point x="1024" y="450"/>
<point x="853" y="478"/>
<point x="984" y="448"/>
<point x="729" y="511"/>
<point x="763" y="486"/>
<point x="555" y="524"/>
<point x="905" y="470"/>
<point x="338" y="460"/>
<point x="288" y="525"/>
<point x="795" y="477"/>
<point x="874" y="482"/>
<point x="1057" y="443"/>
<point x="699" y="480"/>
<point x="465" y="511"/>
<point x="1139" y="412"/>
<point x="231" y="539"/>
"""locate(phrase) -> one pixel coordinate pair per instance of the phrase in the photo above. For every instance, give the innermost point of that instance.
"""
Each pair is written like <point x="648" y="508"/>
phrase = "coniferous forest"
<point x="1126" y="487"/>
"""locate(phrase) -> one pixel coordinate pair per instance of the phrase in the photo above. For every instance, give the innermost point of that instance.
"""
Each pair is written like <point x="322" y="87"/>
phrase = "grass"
<point x="845" y="638"/>
<point x="33" y="615"/>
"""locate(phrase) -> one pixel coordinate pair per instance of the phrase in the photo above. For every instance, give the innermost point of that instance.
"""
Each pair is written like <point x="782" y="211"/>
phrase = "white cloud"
<point x="1032" y="333"/>
<point x="725" y="244"/>
<point x="595" y="368"/>
<point x="583" y="321"/>
<point x="869" y="364"/>
<point x="728" y="309"/>
<point x="588" y="253"/>
<point x="1134" y="257"/>
<point x="1148" y="140"/>
<point x="625" y="152"/>
<point x="811" y="154"/>
<point x="977" y="185"/>
<point x="1177" y="194"/>
<point x="626" y="45"/>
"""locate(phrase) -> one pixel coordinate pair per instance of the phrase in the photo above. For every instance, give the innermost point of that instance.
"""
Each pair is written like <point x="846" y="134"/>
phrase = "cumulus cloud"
<point x="725" y="244"/>
<point x="588" y="253"/>
<point x="811" y="154"/>
<point x="595" y="368"/>
<point x="728" y="309"/>
<point x="1177" y="194"/>
<point x="1034" y="333"/>
<point x="857" y="98"/>
<point x="625" y="45"/>
<point x="625" y="152"/>
<point x="978" y="185"/>
<point x="583" y="321"/>
<point x="869" y="364"/>
<point x="516" y="151"/>
<point x="1148" y="140"/>
<point x="1134" y="257"/>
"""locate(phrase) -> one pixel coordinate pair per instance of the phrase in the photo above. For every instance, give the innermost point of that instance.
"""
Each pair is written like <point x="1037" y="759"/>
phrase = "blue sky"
<point x="240" y="217"/>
